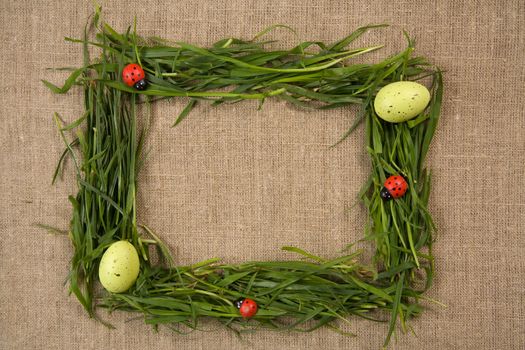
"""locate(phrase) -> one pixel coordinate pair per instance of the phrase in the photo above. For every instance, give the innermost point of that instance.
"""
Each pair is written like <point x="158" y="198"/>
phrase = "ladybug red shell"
<point x="395" y="187"/>
<point x="133" y="75"/>
<point x="247" y="307"/>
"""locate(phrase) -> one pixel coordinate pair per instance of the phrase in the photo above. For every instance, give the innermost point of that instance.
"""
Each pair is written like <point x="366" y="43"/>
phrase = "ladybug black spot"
<point x="135" y="67"/>
<point x="132" y="79"/>
<point x="132" y="73"/>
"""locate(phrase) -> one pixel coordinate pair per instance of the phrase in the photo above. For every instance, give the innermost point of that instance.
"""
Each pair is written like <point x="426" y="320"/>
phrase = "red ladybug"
<point x="247" y="307"/>
<point x="395" y="187"/>
<point x="133" y="75"/>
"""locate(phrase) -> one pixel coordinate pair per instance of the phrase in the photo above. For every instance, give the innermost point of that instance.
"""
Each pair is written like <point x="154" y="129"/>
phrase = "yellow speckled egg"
<point x="119" y="267"/>
<point x="401" y="101"/>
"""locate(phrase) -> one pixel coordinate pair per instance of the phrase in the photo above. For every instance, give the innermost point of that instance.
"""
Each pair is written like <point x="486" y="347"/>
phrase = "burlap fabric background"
<point x="239" y="183"/>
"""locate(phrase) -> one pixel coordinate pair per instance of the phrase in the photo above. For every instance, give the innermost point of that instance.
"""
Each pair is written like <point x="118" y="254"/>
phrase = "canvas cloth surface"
<point x="239" y="183"/>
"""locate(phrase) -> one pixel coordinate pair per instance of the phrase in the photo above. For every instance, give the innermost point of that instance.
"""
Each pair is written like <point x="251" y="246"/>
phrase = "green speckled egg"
<point x="401" y="101"/>
<point x="119" y="267"/>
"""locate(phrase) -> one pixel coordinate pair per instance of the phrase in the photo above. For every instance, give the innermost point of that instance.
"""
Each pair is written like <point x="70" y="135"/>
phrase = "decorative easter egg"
<point x="119" y="267"/>
<point x="401" y="101"/>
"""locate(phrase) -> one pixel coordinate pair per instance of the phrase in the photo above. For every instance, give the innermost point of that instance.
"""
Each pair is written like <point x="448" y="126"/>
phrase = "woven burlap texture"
<point x="238" y="183"/>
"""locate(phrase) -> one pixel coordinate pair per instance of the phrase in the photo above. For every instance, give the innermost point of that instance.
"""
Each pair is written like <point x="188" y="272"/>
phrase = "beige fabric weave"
<point x="238" y="183"/>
